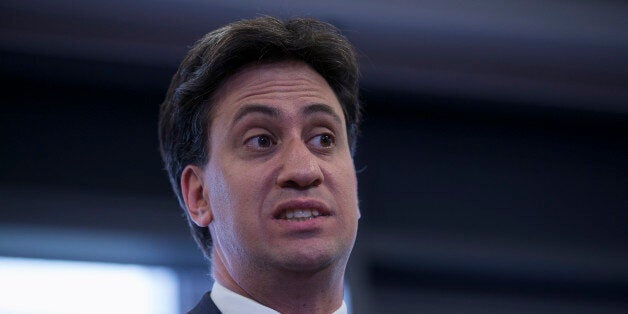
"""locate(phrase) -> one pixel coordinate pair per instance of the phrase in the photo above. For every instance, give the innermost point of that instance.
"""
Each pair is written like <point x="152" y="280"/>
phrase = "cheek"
<point x="237" y="192"/>
<point x="225" y="204"/>
<point x="221" y="192"/>
<point x="345" y="184"/>
<point x="350" y="176"/>
<point x="353" y="192"/>
<point x="218" y="187"/>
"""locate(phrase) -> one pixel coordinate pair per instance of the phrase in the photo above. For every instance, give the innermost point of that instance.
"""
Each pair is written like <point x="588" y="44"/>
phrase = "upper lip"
<point x="301" y="204"/>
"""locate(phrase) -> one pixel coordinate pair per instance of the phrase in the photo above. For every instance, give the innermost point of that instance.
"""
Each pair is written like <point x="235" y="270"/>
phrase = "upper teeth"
<point x="301" y="213"/>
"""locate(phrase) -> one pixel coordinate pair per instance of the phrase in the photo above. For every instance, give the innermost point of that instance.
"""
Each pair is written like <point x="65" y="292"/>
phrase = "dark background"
<point x="493" y="156"/>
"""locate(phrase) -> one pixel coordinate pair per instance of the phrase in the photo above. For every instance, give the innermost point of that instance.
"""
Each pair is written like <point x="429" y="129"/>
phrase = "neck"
<point x="286" y="291"/>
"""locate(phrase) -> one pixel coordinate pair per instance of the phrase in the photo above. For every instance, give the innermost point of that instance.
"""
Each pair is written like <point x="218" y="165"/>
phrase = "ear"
<point x="196" y="203"/>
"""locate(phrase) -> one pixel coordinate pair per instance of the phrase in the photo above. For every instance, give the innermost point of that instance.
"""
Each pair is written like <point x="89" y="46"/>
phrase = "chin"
<point x="311" y="260"/>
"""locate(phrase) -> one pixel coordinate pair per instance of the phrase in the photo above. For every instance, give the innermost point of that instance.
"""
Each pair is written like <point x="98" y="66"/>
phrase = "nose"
<point x="300" y="167"/>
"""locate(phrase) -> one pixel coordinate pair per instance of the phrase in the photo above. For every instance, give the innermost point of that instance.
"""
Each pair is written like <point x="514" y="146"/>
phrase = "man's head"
<point x="257" y="128"/>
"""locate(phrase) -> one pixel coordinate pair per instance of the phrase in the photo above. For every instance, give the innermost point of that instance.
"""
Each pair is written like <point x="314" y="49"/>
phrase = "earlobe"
<point x="196" y="202"/>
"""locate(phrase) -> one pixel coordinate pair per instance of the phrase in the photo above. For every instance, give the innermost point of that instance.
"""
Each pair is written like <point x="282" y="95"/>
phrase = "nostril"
<point x="300" y="180"/>
<point x="299" y="185"/>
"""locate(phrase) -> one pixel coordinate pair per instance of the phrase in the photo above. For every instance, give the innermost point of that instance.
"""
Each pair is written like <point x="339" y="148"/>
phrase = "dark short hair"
<point x="185" y="115"/>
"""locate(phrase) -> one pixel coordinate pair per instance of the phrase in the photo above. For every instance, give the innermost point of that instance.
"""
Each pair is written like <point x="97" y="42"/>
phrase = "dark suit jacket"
<point x="205" y="306"/>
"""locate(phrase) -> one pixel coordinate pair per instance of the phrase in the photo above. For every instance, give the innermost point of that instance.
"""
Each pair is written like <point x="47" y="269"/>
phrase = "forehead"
<point x="287" y="84"/>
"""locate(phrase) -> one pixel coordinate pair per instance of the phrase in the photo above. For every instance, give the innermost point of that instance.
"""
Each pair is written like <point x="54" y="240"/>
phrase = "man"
<point x="257" y="133"/>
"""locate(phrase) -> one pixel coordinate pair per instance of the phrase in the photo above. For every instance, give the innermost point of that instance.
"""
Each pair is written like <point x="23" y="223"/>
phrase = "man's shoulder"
<point x="205" y="306"/>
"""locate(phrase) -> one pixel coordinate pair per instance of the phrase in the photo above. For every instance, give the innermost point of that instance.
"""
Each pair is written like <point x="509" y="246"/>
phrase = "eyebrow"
<point x="275" y="113"/>
<point x="249" y="109"/>
<point x="316" y="108"/>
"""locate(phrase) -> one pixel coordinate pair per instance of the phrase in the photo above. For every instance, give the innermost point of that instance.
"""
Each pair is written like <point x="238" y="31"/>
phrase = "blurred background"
<point x="493" y="155"/>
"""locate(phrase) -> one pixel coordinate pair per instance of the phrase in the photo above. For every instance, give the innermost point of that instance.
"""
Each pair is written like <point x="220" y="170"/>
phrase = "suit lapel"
<point x="205" y="306"/>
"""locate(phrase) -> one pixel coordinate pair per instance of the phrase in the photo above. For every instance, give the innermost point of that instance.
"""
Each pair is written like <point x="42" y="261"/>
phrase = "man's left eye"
<point x="323" y="141"/>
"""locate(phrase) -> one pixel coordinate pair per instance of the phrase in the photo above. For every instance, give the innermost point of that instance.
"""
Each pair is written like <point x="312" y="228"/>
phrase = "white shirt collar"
<point x="229" y="302"/>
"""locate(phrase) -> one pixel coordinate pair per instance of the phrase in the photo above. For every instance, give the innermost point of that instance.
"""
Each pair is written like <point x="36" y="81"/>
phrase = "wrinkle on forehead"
<point x="292" y="88"/>
<point x="271" y="81"/>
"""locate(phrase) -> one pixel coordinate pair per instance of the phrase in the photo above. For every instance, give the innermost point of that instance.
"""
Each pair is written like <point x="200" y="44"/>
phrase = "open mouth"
<point x="301" y="214"/>
<point x="297" y="210"/>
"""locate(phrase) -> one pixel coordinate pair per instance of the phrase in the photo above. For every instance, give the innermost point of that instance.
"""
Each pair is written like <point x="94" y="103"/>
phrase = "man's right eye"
<point x="259" y="142"/>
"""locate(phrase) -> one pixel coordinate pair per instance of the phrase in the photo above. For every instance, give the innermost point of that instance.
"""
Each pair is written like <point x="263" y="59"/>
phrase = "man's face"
<point x="280" y="179"/>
